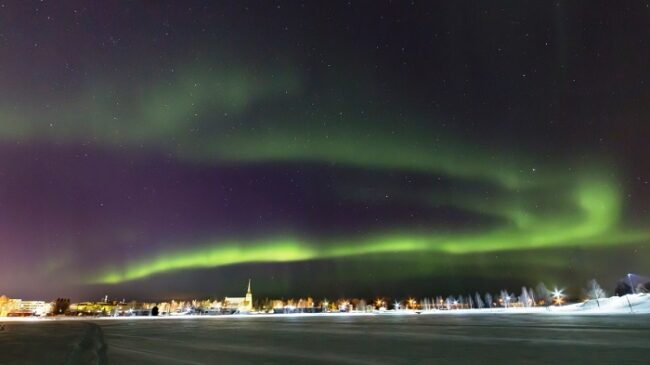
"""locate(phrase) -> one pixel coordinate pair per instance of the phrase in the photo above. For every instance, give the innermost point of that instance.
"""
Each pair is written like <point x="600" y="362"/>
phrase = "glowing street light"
<point x="412" y="303"/>
<point x="558" y="296"/>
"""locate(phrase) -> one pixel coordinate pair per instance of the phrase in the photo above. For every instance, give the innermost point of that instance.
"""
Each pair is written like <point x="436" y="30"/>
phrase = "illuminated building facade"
<point x="23" y="308"/>
<point x="240" y="304"/>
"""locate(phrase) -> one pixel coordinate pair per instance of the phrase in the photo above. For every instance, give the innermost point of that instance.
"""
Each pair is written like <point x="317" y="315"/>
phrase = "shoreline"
<point x="631" y="304"/>
<point x="457" y="312"/>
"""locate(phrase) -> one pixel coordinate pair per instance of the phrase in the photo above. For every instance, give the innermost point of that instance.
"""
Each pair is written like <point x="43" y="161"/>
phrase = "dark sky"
<point x="175" y="149"/>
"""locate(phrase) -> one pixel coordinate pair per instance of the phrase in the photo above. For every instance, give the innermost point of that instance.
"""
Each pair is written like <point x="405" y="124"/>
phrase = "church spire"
<point x="249" y="287"/>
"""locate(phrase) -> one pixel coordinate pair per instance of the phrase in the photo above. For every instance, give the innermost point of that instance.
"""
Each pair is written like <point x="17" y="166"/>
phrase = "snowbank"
<point x="631" y="303"/>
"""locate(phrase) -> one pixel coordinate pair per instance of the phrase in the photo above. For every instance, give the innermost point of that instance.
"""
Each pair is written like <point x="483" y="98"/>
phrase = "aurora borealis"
<point x="398" y="148"/>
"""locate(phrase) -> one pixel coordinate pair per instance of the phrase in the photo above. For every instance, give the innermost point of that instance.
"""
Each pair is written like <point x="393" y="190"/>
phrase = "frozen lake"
<point x="414" y="339"/>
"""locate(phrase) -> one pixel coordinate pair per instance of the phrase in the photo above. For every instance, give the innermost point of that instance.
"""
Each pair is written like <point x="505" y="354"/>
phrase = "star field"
<point x="322" y="148"/>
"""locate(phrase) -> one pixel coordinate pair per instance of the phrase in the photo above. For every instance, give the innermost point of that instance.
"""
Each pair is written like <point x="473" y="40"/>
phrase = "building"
<point x="240" y="304"/>
<point x="93" y="308"/>
<point x="37" y="307"/>
<point x="22" y="308"/>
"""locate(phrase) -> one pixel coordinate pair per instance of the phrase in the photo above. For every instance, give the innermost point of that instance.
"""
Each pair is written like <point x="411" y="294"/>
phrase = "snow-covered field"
<point x="558" y="335"/>
<point x="407" y="339"/>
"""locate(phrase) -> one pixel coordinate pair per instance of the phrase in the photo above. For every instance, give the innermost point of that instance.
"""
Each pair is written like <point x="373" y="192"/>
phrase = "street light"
<point x="558" y="295"/>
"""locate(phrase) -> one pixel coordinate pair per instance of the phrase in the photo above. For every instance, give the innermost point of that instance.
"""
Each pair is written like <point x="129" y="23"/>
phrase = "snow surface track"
<point x="90" y="349"/>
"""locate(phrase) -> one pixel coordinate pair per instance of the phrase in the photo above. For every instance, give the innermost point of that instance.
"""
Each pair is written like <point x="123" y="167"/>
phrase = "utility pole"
<point x="628" y="302"/>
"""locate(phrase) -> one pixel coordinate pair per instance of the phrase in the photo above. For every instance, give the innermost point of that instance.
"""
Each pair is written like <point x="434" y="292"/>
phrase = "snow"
<point x="572" y="334"/>
<point x="631" y="303"/>
<point x="627" y="304"/>
<point x="332" y="339"/>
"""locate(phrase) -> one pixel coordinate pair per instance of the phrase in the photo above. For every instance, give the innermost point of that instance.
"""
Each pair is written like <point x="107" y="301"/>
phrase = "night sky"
<point x="175" y="149"/>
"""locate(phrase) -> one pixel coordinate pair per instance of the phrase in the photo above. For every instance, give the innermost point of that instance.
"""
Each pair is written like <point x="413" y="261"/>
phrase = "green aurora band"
<point x="202" y="114"/>
<point x="597" y="224"/>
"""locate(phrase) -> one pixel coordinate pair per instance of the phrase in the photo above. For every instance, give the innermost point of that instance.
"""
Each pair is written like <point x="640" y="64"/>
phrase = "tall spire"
<point x="249" y="287"/>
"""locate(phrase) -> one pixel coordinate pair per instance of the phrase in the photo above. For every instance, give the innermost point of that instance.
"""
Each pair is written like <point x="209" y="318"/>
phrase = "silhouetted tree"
<point x="488" y="300"/>
<point x="524" y="298"/>
<point x="154" y="311"/>
<point x="61" y="306"/>
<point x="544" y="294"/>
<point x="479" y="301"/>
<point x="594" y="291"/>
<point x="622" y="288"/>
